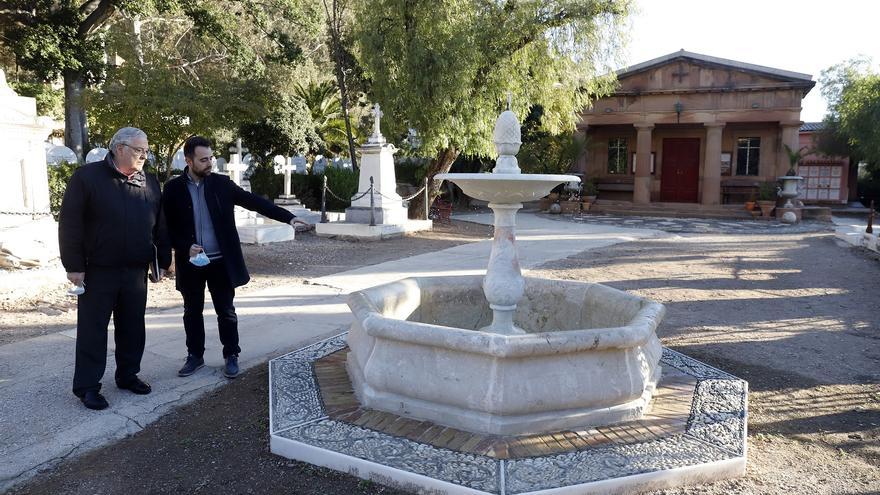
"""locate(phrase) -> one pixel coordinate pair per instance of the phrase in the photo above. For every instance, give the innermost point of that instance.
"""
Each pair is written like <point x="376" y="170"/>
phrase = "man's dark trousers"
<point x="222" y="293"/>
<point x="122" y="292"/>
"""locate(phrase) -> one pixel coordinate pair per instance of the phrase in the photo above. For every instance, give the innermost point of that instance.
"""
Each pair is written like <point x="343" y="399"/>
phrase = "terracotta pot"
<point x="766" y="208"/>
<point x="750" y="205"/>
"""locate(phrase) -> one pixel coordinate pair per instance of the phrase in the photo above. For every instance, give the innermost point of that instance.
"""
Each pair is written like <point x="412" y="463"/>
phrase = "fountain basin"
<point x="507" y="188"/>
<point x="589" y="356"/>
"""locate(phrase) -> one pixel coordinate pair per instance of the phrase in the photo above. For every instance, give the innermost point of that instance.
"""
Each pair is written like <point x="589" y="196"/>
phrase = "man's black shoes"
<point x="191" y="365"/>
<point x="231" y="368"/>
<point x="94" y="400"/>
<point x="135" y="385"/>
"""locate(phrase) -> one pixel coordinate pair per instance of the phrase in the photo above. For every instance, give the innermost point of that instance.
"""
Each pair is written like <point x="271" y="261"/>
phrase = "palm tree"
<point x="322" y="100"/>
<point x="794" y="157"/>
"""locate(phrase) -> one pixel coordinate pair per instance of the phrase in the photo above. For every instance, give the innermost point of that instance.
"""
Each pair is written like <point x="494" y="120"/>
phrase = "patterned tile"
<point x="472" y="471"/>
<point x="542" y="473"/>
<point x="716" y="431"/>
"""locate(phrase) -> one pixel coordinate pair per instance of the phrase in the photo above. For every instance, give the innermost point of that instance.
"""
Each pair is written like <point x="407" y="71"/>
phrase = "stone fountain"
<point x="503" y="384"/>
<point x="520" y="356"/>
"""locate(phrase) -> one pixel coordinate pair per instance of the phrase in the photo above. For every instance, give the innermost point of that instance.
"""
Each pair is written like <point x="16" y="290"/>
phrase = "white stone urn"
<point x="789" y="188"/>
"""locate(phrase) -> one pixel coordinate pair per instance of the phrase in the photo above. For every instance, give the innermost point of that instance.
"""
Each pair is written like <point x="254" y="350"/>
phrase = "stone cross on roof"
<point x="377" y="132"/>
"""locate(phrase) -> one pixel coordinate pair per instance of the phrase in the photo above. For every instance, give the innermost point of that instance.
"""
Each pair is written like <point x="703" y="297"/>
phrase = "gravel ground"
<point x="795" y="315"/>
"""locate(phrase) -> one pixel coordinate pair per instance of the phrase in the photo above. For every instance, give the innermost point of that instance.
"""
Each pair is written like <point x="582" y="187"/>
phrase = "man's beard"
<point x="203" y="173"/>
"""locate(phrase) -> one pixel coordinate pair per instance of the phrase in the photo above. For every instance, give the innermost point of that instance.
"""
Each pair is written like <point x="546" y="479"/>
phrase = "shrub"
<point x="59" y="176"/>
<point x="265" y="182"/>
<point x="767" y="191"/>
<point x="344" y="183"/>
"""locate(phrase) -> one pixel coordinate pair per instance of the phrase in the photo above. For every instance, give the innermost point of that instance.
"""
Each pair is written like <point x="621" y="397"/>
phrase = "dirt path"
<point x="795" y="315"/>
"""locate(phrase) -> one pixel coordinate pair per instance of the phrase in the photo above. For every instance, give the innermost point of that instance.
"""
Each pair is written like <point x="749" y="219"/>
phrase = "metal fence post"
<point x="324" y="202"/>
<point x="372" y="205"/>
<point x="427" y="206"/>
<point x="870" y="229"/>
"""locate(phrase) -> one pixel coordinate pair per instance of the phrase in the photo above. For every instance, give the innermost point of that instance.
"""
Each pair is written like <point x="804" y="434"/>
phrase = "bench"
<point x="624" y="184"/>
<point x="745" y="188"/>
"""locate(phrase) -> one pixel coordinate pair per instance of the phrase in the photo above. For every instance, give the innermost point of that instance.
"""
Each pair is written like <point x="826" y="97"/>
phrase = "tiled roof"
<point x="812" y="126"/>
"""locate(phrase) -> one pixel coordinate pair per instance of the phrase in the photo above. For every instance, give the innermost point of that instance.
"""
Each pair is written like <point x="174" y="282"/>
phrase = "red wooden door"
<point x="680" y="179"/>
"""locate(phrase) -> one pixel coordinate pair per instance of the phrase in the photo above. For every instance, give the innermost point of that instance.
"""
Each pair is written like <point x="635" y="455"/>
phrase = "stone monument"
<point x="376" y="210"/>
<point x="28" y="234"/>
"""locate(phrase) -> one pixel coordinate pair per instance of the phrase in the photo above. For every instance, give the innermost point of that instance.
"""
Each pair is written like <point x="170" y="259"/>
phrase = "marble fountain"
<point x="494" y="363"/>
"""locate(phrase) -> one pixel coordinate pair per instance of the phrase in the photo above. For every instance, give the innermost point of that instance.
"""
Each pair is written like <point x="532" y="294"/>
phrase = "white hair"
<point x="125" y="135"/>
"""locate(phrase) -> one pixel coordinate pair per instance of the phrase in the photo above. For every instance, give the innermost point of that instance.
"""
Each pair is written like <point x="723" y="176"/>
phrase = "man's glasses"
<point x="139" y="151"/>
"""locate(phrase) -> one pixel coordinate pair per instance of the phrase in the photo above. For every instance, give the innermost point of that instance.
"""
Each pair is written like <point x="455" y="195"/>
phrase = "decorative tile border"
<point x="714" y="438"/>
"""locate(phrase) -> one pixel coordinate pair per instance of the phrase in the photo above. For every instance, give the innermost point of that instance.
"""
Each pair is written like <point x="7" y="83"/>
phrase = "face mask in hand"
<point x="200" y="259"/>
<point x="77" y="290"/>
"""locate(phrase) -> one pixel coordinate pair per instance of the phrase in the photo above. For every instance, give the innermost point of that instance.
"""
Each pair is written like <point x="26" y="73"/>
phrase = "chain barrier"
<point x="35" y="214"/>
<point x="372" y="191"/>
<point x="408" y="198"/>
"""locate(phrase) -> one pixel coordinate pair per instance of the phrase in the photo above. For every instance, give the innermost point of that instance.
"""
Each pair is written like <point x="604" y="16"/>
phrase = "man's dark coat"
<point x="221" y="195"/>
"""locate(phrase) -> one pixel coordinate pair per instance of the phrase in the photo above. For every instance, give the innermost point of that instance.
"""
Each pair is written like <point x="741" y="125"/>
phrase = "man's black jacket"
<point x="107" y="221"/>
<point x="221" y="196"/>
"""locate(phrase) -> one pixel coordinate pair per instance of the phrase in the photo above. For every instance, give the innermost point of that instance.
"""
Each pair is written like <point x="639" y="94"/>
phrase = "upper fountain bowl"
<point x="507" y="188"/>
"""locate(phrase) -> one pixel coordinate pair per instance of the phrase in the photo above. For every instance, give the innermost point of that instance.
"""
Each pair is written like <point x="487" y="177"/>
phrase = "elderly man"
<point x="200" y="209"/>
<point x="109" y="232"/>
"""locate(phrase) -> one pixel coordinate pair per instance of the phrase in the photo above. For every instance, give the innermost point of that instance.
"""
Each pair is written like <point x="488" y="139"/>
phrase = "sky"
<point x="804" y="36"/>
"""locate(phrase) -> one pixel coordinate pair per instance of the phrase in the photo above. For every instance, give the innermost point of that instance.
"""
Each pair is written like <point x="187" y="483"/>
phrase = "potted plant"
<point x="767" y="193"/>
<point x="589" y="191"/>
<point x="750" y="204"/>
<point x="794" y="157"/>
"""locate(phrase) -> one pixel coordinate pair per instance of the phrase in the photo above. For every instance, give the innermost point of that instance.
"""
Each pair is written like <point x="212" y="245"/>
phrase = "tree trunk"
<point x="439" y="165"/>
<point x="338" y="63"/>
<point x="76" y="130"/>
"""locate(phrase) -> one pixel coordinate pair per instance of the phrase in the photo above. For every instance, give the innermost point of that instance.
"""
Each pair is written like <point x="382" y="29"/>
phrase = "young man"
<point x="109" y="233"/>
<point x="199" y="207"/>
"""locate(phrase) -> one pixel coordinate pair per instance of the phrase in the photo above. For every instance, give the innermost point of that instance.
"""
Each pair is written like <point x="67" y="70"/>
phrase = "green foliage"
<point x="444" y="67"/>
<point x="344" y="183"/>
<point x="59" y="176"/>
<point x="49" y="101"/>
<point x="794" y="157"/>
<point x="322" y="101"/>
<point x="767" y="191"/>
<point x="411" y="170"/>
<point x="545" y="153"/>
<point x="852" y="90"/>
<point x="286" y="129"/>
<point x="589" y="188"/>
<point x="265" y="182"/>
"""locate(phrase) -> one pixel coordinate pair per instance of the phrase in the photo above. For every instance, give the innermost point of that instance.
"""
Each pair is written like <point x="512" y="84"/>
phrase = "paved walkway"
<point x="42" y="423"/>
<point x="697" y="225"/>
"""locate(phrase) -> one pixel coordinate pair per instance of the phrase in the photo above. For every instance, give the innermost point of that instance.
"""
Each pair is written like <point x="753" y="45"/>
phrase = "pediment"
<point x="684" y="71"/>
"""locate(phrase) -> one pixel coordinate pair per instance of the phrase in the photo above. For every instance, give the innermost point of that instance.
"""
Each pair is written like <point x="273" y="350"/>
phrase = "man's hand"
<point x="195" y="249"/>
<point x="76" y="278"/>
<point x="294" y="221"/>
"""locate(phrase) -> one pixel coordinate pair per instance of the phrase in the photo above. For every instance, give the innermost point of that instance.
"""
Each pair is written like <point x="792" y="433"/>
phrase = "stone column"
<point x="712" y="164"/>
<point x="642" y="183"/>
<point x="791" y="137"/>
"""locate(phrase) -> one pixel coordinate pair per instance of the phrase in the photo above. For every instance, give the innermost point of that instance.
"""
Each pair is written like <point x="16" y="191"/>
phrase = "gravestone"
<point x="287" y="198"/>
<point x="179" y="161"/>
<point x="319" y="165"/>
<point x="220" y="164"/>
<point x="301" y="165"/>
<point x="59" y="154"/>
<point x="98" y="154"/>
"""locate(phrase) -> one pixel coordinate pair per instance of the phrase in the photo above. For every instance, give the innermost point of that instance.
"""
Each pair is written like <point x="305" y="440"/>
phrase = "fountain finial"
<point x="507" y="139"/>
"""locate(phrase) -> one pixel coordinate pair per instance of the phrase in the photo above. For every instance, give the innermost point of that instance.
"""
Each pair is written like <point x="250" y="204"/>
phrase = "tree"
<point x="443" y="68"/>
<point x="326" y="112"/>
<point x="545" y="153"/>
<point x="852" y="90"/>
<point x="68" y="39"/>
<point x="345" y="67"/>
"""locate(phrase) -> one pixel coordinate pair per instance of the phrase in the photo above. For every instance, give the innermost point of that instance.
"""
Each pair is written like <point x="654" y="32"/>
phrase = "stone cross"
<point x="681" y="73"/>
<point x="377" y="133"/>
<point x="235" y="166"/>
<point x="288" y="168"/>
<point x="508" y="100"/>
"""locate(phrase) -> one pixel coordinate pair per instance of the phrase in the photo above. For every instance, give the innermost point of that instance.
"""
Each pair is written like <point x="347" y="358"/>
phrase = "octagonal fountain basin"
<point x="590" y="355"/>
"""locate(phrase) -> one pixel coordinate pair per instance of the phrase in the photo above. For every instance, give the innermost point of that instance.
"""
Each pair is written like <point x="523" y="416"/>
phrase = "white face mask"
<point x="77" y="290"/>
<point x="200" y="259"/>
